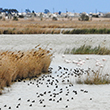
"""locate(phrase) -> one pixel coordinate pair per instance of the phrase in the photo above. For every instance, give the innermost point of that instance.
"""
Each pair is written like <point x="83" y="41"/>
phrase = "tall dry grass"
<point x="96" y="23"/>
<point x="20" y="65"/>
<point x="36" y="26"/>
<point x="94" y="77"/>
<point x="87" y="31"/>
<point x="29" y="31"/>
<point x="87" y="49"/>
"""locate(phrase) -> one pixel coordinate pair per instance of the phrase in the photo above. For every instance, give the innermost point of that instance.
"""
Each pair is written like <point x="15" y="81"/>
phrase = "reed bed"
<point x="98" y="23"/>
<point x="52" y="30"/>
<point x="87" y="31"/>
<point x="94" y="77"/>
<point x="20" y="65"/>
<point x="36" y="26"/>
<point x="88" y="50"/>
<point x="29" y="31"/>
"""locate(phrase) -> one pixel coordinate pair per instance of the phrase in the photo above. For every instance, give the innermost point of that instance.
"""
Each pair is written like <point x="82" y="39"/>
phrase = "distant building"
<point x="96" y="15"/>
<point x="107" y="15"/>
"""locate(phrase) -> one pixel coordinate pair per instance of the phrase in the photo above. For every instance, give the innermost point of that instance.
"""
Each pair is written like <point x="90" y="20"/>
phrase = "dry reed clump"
<point x="20" y="65"/>
<point x="88" y="50"/>
<point x="96" y="23"/>
<point x="94" y="77"/>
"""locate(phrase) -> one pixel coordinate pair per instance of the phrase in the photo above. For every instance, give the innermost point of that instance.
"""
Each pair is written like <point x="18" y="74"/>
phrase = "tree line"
<point x="9" y="10"/>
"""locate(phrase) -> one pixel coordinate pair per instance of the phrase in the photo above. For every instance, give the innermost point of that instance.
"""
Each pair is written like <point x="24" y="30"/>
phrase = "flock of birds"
<point x="80" y="62"/>
<point x="59" y="87"/>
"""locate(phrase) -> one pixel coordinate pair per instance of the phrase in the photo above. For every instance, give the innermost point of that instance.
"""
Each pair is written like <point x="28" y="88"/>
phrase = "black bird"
<point x="65" y="69"/>
<point x="90" y="98"/>
<point x="54" y="90"/>
<point x="41" y="94"/>
<point x="53" y="99"/>
<point x="30" y="105"/>
<point x="19" y="80"/>
<point x="75" y="92"/>
<point x="45" y="92"/>
<point x="56" y="86"/>
<point x="33" y="101"/>
<point x="41" y="102"/>
<point x="60" y="99"/>
<point x="28" y="100"/>
<point x="50" y="95"/>
<point x="9" y="107"/>
<point x="72" y="98"/>
<point x="49" y="91"/>
<point x="66" y="94"/>
<point x="67" y="99"/>
<point x="66" y="106"/>
<point x="5" y="105"/>
<point x="50" y="99"/>
<point x="81" y="90"/>
<point x="57" y="101"/>
<point x="44" y="105"/>
<point x="17" y="106"/>
<point x="19" y="99"/>
<point x="59" y="68"/>
<point x="85" y="91"/>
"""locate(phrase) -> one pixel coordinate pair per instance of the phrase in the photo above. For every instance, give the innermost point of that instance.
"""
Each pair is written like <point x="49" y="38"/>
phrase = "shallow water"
<point x="88" y="97"/>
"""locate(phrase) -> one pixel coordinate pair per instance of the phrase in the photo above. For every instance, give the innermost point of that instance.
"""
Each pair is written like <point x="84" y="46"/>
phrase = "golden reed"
<point x="22" y="64"/>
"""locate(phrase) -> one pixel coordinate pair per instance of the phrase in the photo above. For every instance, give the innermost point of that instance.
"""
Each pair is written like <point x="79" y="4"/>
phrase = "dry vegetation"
<point x="46" y="26"/>
<point x="29" y="31"/>
<point x="21" y="65"/>
<point x="87" y="49"/>
<point x="95" y="77"/>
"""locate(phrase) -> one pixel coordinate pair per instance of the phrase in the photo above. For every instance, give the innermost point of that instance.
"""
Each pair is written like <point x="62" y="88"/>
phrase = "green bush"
<point x="88" y="50"/>
<point x="0" y="17"/>
<point x="21" y="16"/>
<point x="84" y="17"/>
<point x="15" y="18"/>
<point x="87" y="31"/>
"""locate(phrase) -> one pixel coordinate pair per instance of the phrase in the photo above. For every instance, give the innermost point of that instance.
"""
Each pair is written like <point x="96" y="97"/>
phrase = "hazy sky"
<point x="58" y="5"/>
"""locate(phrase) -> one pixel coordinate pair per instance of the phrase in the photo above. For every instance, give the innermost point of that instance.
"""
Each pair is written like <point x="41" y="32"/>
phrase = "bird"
<point x="66" y="106"/>
<point x="19" y="99"/>
<point x="63" y="56"/>
<point x="90" y="98"/>
<point x="44" y="105"/>
<point x="103" y="59"/>
<point x="9" y="107"/>
<point x="30" y="105"/>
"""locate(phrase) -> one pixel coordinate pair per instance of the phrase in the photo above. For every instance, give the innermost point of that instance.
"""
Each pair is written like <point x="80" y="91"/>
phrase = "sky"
<point x="58" y="5"/>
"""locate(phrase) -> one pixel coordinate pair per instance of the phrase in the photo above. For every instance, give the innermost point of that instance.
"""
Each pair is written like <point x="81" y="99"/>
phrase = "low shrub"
<point x="87" y="31"/>
<point x="22" y="64"/>
<point x="15" y="18"/>
<point x="88" y="50"/>
<point x="94" y="77"/>
<point x="29" y="31"/>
